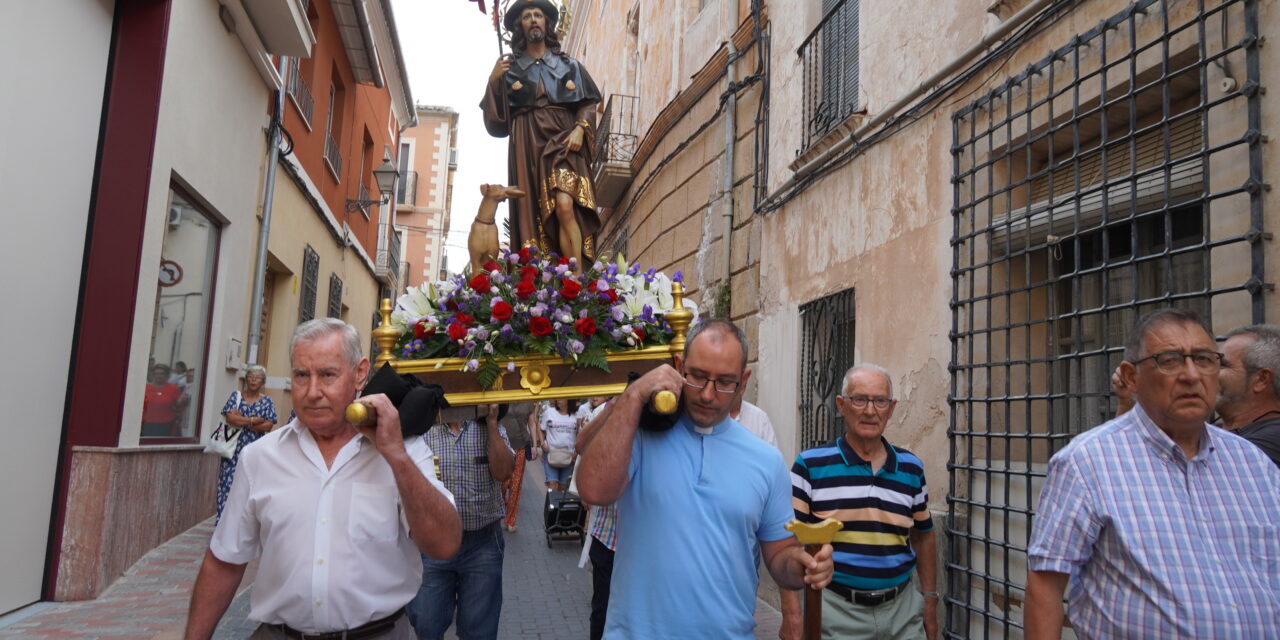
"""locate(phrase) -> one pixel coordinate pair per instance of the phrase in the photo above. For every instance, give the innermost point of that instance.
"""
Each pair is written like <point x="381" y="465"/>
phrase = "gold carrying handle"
<point x="360" y="414"/>
<point x="664" y="403"/>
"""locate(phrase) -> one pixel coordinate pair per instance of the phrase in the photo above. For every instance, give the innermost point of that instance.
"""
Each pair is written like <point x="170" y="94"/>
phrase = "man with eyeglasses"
<point x="702" y="502"/>
<point x="1161" y="525"/>
<point x="878" y="491"/>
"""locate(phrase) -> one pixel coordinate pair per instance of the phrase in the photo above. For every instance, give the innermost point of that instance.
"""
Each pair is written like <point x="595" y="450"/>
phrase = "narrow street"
<point x="545" y="595"/>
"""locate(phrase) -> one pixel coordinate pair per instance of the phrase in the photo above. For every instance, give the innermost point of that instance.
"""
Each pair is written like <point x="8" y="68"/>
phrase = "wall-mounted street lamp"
<point x="386" y="175"/>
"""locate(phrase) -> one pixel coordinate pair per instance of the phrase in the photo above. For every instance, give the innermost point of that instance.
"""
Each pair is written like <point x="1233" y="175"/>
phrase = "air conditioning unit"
<point x="453" y="157"/>
<point x="175" y="216"/>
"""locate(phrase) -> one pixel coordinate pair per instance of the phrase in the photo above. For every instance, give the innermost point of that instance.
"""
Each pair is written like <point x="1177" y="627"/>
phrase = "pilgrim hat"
<point x="512" y="17"/>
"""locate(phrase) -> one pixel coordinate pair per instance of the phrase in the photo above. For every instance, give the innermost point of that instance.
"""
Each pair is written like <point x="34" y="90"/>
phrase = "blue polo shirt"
<point x="696" y="507"/>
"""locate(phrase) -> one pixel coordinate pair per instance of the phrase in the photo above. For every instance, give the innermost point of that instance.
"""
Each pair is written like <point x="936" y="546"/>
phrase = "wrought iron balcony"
<point x="300" y="92"/>
<point x="407" y="189"/>
<point x="830" y="62"/>
<point x="332" y="156"/>
<point x="387" y="266"/>
<point x="616" y="142"/>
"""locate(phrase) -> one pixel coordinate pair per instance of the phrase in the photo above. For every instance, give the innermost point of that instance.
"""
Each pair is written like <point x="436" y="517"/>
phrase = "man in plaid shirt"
<point x="1156" y="524"/>
<point x="474" y="461"/>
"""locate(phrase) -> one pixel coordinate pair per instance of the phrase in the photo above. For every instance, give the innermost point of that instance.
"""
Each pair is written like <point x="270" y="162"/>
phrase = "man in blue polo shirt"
<point x="702" y="502"/>
<point x="878" y="491"/>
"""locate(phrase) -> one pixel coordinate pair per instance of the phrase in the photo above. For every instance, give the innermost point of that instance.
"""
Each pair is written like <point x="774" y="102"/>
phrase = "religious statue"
<point x="545" y="102"/>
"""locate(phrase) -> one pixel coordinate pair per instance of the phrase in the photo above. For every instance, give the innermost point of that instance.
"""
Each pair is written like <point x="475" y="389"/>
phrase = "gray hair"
<point x="256" y="368"/>
<point x="718" y="325"/>
<point x="1263" y="352"/>
<point x="318" y="328"/>
<point x="1134" y="346"/>
<point x="866" y="366"/>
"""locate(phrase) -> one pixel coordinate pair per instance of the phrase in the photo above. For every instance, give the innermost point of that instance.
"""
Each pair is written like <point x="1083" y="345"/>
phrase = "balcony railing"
<point x="616" y="141"/>
<point x="300" y="92"/>
<point x="407" y="189"/>
<point x="387" y="265"/>
<point x="332" y="156"/>
<point x="830" y="80"/>
<point x="362" y="193"/>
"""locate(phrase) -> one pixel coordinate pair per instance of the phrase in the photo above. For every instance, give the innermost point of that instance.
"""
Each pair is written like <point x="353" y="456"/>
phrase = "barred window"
<point x="335" y="296"/>
<point x="1118" y="175"/>
<point x="826" y="352"/>
<point x="829" y="58"/>
<point x="310" y="275"/>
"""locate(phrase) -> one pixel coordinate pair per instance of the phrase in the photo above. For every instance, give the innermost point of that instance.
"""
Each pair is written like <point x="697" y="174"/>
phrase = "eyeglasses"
<point x="860" y="402"/>
<point x="1208" y="362"/>
<point x="699" y="382"/>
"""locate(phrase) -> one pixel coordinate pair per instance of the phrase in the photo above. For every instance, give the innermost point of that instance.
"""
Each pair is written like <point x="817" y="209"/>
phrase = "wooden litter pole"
<point x="813" y="536"/>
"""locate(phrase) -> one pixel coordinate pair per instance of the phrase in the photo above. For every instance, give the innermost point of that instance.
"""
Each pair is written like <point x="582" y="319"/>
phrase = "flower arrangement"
<point x="525" y="303"/>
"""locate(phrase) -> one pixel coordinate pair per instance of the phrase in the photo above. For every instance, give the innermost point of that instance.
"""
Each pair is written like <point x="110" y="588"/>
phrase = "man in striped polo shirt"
<point x="878" y="491"/>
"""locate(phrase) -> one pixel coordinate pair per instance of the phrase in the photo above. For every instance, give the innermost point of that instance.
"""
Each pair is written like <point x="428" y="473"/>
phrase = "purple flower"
<point x="576" y="346"/>
<point x="472" y="365"/>
<point x="537" y="310"/>
<point x="482" y="334"/>
<point x="617" y="312"/>
<point x="582" y="314"/>
<point x="678" y="277"/>
<point x="506" y="331"/>
<point x="511" y="366"/>
<point x="646" y="313"/>
<point x="546" y="276"/>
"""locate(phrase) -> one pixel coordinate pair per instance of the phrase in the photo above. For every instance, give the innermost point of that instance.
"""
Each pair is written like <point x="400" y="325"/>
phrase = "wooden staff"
<point x="813" y="536"/>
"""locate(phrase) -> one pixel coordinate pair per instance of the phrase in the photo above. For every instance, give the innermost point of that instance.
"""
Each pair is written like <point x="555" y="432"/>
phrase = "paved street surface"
<point x="545" y="595"/>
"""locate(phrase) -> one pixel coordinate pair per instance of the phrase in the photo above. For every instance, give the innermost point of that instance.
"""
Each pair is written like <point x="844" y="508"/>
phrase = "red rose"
<point x="586" y="327"/>
<point x="639" y="334"/>
<point x="540" y="326"/>
<point x="480" y="283"/>
<point x="525" y="289"/>
<point x="490" y="265"/>
<point x="613" y="295"/>
<point x="570" y="289"/>
<point x="563" y="260"/>
<point x="528" y="273"/>
<point x="526" y="254"/>
<point x="501" y="311"/>
<point x="451" y="305"/>
<point x="421" y="331"/>
<point x="464" y="319"/>
<point x="591" y="286"/>
<point x="457" y="331"/>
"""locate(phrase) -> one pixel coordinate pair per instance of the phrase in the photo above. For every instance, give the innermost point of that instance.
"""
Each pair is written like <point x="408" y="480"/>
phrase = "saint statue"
<point x="545" y="102"/>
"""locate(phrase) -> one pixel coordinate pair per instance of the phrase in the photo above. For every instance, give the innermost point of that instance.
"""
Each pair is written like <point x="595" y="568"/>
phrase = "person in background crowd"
<point x="701" y="502"/>
<point x="878" y="491"/>
<point x="254" y="414"/>
<point x="521" y="422"/>
<point x="559" y="426"/>
<point x="1163" y="526"/>
<point x="336" y="514"/>
<point x="755" y="420"/>
<point x="474" y="461"/>
<point x="179" y="375"/>
<point x="602" y="530"/>
<point x="161" y="405"/>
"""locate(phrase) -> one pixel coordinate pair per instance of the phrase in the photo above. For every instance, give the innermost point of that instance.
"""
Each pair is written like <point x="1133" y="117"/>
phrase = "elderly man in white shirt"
<point x="337" y="514"/>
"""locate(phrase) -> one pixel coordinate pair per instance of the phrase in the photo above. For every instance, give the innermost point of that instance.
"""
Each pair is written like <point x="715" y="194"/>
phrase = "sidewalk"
<point x="545" y="595"/>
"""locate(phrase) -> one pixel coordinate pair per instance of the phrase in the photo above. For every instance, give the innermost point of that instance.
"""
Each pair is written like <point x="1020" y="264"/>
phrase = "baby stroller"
<point x="563" y="514"/>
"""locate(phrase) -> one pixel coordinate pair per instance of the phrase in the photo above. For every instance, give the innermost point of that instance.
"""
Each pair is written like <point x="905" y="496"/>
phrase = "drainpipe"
<point x="730" y="142"/>
<point x="264" y="232"/>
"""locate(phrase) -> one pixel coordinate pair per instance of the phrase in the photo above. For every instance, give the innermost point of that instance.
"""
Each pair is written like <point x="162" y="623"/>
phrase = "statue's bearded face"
<point x="534" y="24"/>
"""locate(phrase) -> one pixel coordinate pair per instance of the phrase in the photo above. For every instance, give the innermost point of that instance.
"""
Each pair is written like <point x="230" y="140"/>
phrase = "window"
<point x="180" y="326"/>
<point x="333" y="126"/>
<point x="403" y="194"/>
<point x="1101" y="183"/>
<point x="826" y="352"/>
<point x="310" y="273"/>
<point x="830" y="65"/>
<point x="335" y="296"/>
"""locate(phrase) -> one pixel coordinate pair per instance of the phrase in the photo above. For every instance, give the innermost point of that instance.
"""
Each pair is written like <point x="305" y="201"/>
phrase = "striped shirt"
<point x="1159" y="546"/>
<point x="464" y="469"/>
<point x="872" y="551"/>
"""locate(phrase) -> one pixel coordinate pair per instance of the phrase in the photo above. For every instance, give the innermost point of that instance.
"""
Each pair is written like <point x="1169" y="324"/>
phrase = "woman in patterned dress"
<point x="254" y="415"/>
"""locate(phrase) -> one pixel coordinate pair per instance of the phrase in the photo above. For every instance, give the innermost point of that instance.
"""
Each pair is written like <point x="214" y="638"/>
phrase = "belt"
<point x="366" y="630"/>
<point x="867" y="598"/>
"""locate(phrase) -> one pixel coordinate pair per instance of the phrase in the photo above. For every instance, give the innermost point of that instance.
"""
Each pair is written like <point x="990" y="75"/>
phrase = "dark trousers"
<point x="601" y="574"/>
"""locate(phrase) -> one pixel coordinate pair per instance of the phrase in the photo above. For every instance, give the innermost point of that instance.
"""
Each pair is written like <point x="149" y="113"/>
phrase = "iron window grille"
<point x="826" y="352"/>
<point x="829" y="59"/>
<point x="310" y="274"/>
<point x="335" y="296"/>
<point x="1117" y="175"/>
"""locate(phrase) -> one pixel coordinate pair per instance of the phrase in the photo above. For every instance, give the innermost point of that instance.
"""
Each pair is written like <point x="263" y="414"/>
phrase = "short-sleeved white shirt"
<point x="561" y="429"/>
<point x="334" y="542"/>
<point x="757" y="421"/>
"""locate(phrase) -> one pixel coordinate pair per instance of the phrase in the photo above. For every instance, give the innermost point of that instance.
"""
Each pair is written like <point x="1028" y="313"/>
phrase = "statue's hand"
<point x="500" y="67"/>
<point x="575" y="138"/>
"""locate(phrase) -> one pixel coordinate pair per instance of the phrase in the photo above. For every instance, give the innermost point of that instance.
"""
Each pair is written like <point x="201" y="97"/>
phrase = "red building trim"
<point x="99" y="368"/>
